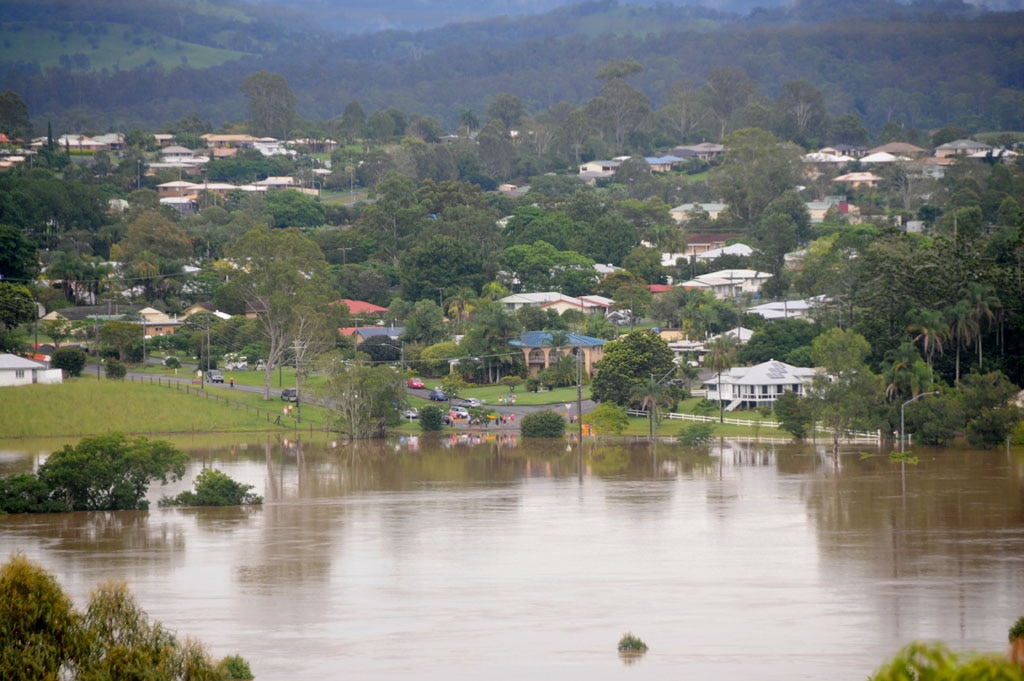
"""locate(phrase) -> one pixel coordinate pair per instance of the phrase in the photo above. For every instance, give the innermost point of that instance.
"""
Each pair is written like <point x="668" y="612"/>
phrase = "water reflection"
<point x="445" y="558"/>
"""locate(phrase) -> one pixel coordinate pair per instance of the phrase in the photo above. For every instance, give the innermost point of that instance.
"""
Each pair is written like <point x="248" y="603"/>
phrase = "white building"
<point x="16" y="371"/>
<point x="758" y="385"/>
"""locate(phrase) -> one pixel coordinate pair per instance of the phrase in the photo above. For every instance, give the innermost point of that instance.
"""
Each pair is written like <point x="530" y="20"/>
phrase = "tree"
<point x="115" y="370"/>
<point x="726" y="91"/>
<point x="15" y="121"/>
<point x="215" y="488"/>
<point x="39" y="628"/>
<point x="365" y="399"/>
<point x="755" y="170"/>
<point x="803" y="109"/>
<point x="441" y="262"/>
<point x="110" y="472"/>
<point x="990" y="414"/>
<point x="431" y="418"/>
<point x="121" y="335"/>
<point x="282" y="267"/>
<point x="845" y="395"/>
<point x="507" y="109"/>
<point x="18" y="260"/>
<point x="608" y="418"/>
<point x="652" y="394"/>
<point x="290" y="208"/>
<point x="69" y="360"/>
<point x="720" y="357"/>
<point x="545" y="424"/>
<point x="16" y="305"/>
<point x="271" y="104"/>
<point x="777" y="340"/>
<point x="353" y="119"/>
<point x="794" y="414"/>
<point x="627" y="363"/>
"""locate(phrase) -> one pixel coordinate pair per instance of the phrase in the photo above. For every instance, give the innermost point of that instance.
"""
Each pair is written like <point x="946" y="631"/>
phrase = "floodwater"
<point x="448" y="560"/>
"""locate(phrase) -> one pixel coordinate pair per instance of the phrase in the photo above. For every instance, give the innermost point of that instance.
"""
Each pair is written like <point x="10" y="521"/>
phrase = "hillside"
<point x="104" y="64"/>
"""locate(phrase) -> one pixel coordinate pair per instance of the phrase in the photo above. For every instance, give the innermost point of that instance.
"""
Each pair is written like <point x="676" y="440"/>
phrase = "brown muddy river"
<point x="451" y="561"/>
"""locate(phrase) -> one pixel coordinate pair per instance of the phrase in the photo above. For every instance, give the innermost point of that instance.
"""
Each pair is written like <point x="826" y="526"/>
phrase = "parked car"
<point x="437" y="396"/>
<point x="459" y="412"/>
<point x="471" y="402"/>
<point x="214" y="376"/>
<point x="414" y="383"/>
<point x="411" y="413"/>
<point x="290" y="395"/>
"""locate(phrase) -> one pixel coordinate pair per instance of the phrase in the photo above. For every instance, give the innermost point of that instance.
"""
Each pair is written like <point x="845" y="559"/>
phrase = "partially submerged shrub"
<point x="631" y="644"/>
<point x="214" y="488"/>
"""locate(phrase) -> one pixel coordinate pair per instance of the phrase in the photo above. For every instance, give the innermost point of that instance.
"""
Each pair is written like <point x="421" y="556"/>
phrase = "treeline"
<point x="949" y="69"/>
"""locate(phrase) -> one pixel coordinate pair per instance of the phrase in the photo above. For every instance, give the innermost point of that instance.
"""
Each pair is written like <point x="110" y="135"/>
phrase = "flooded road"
<point x="447" y="560"/>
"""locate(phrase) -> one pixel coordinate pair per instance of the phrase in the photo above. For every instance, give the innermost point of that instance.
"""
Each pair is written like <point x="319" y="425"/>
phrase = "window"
<point x="19" y="373"/>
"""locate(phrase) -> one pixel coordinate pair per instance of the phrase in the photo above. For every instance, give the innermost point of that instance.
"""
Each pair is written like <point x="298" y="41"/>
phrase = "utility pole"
<point x="298" y="346"/>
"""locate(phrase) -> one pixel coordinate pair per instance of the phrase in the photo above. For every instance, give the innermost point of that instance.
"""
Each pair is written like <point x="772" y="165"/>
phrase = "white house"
<point x="758" y="385"/>
<point x="16" y="370"/>
<point x="727" y="284"/>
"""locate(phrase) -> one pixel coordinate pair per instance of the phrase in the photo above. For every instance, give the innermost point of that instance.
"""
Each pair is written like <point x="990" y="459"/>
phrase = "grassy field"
<point x="85" y="406"/>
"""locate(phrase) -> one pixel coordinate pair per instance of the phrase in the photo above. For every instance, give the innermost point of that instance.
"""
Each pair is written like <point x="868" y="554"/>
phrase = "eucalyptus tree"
<point x="282" y="278"/>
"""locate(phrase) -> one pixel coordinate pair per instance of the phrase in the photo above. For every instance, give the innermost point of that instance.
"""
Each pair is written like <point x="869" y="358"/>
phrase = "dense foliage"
<point x="545" y="423"/>
<point x="42" y="636"/>
<point x="102" y="473"/>
<point x="215" y="488"/>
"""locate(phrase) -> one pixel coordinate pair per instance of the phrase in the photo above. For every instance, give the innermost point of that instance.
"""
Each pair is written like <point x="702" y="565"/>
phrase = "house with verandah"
<point x="759" y="385"/>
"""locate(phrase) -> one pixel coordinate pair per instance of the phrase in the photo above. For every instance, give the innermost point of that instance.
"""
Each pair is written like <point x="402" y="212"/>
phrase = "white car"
<point x="471" y="402"/>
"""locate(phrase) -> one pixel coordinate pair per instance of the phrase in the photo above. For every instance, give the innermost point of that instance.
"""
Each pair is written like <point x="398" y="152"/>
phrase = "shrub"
<point x="69" y="360"/>
<point x="431" y="418"/>
<point x="543" y="424"/>
<point x="116" y="369"/>
<point x="234" y="667"/>
<point x="532" y="384"/>
<point x="172" y="363"/>
<point x="214" y="488"/>
<point x="631" y="644"/>
<point x="705" y="407"/>
<point x="696" y="434"/>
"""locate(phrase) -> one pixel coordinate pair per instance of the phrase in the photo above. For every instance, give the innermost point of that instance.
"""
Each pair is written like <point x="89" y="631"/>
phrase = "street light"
<point x="915" y="398"/>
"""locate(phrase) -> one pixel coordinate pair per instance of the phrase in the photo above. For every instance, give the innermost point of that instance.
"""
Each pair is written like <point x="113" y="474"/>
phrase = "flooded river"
<point x="497" y="560"/>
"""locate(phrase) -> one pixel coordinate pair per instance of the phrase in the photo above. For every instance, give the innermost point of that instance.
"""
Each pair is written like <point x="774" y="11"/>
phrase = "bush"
<point x="214" y="488"/>
<point x="696" y="434"/>
<point x="543" y="424"/>
<point x="532" y="384"/>
<point x="631" y="644"/>
<point x="234" y="667"/>
<point x="431" y="418"/>
<point x="705" y="407"/>
<point x="116" y="369"/>
<point x="69" y="360"/>
<point x="172" y="363"/>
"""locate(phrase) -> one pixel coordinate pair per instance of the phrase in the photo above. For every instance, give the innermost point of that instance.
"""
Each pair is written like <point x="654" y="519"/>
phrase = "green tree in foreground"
<point x="69" y="360"/>
<point x="43" y="637"/>
<point x="543" y="424"/>
<point x="431" y="418"/>
<point x="794" y="415"/>
<point x="935" y="662"/>
<point x="116" y="370"/>
<point x="608" y="418"/>
<point x="215" y="488"/>
<point x="110" y="472"/>
<point x="627" y="363"/>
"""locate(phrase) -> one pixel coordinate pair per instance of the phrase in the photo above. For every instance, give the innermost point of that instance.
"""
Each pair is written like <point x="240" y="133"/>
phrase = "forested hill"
<point x="101" y="65"/>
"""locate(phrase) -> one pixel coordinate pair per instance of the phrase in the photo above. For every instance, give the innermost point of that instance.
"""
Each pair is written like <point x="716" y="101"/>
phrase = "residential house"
<point x="727" y="284"/>
<point x="207" y="308"/>
<point x="543" y="349"/>
<point x="960" y="148"/>
<point x="663" y="164"/>
<point x="15" y="371"/>
<point x="705" y="151"/>
<point x="591" y="171"/>
<point x="684" y="212"/>
<point x="360" y="334"/>
<point x="856" y="180"/>
<point x="759" y="385"/>
<point x="553" y="300"/>
<point x="819" y="209"/>
<point x="899" y="149"/>
<point x="273" y="182"/>
<point x="741" y="250"/>
<point x="786" y="309"/>
<point x="219" y="141"/>
<point x="361" y="308"/>
<point x="177" y="154"/>
<point x="157" y="323"/>
<point x="178" y="189"/>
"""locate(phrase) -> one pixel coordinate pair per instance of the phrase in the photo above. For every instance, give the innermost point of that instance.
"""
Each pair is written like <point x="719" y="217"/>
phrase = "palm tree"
<point x="983" y="305"/>
<point x="931" y="330"/>
<point x="652" y="394"/>
<point x="962" y="328"/>
<point x="906" y="375"/>
<point x="720" y="358"/>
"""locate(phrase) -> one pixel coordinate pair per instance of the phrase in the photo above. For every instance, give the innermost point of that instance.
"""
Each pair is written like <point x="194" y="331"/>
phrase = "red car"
<point x="415" y="383"/>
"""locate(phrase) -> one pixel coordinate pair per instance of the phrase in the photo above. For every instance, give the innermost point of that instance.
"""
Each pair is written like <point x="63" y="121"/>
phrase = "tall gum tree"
<point x="282" y="279"/>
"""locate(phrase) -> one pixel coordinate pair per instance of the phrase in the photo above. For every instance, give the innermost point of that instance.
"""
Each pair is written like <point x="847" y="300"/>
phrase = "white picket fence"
<point x="853" y="435"/>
